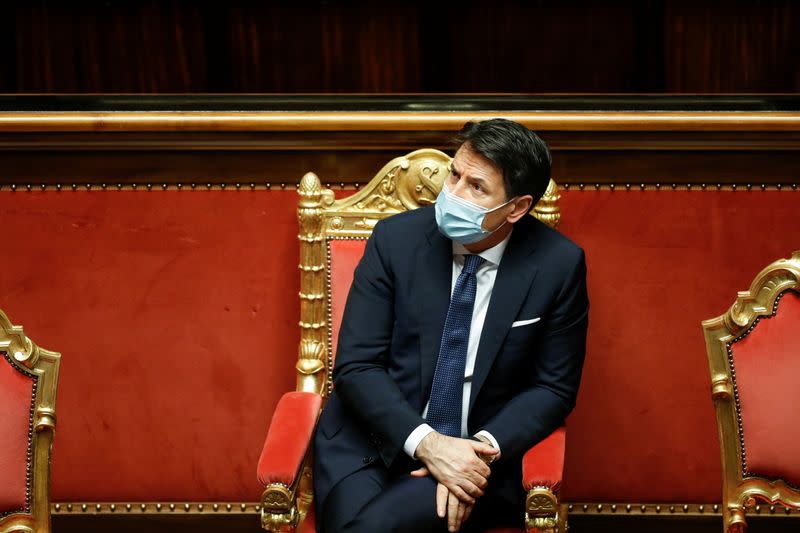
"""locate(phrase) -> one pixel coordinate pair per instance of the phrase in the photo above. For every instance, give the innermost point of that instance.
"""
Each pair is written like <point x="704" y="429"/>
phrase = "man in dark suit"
<point x="461" y="346"/>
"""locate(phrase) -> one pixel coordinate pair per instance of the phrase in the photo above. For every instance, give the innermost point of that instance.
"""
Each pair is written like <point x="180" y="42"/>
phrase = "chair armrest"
<point x="543" y="465"/>
<point x="542" y="471"/>
<point x="289" y="437"/>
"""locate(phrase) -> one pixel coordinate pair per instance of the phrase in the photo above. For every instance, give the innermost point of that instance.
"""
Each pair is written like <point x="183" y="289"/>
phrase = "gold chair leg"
<point x="542" y="512"/>
<point x="278" y="509"/>
<point x="733" y="519"/>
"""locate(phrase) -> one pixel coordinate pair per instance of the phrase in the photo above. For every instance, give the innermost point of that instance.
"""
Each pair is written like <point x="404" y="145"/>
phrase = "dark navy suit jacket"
<point x="525" y="379"/>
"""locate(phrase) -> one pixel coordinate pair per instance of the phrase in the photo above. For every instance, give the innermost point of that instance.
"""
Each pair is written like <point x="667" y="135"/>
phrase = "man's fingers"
<point x="478" y="480"/>
<point x="452" y="513"/>
<point x="467" y="511"/>
<point x="482" y="468"/>
<point x="420" y="472"/>
<point x="441" y="500"/>
<point x="482" y="447"/>
<point x="461" y="495"/>
<point x="460" y="515"/>
<point x="481" y="483"/>
<point x="471" y="489"/>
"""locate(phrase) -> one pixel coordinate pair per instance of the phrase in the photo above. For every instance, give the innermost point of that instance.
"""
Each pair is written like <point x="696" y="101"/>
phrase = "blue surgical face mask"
<point x="461" y="220"/>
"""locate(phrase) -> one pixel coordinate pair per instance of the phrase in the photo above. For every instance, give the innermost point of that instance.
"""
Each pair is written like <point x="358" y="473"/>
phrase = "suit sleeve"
<point x="360" y="373"/>
<point x="539" y="409"/>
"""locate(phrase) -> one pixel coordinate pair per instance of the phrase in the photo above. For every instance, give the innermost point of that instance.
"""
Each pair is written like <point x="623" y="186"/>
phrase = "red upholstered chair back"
<point x="27" y="418"/>
<point x="16" y="391"/>
<point x="754" y="357"/>
<point x="767" y="364"/>
<point x="333" y="234"/>
<point x="344" y="257"/>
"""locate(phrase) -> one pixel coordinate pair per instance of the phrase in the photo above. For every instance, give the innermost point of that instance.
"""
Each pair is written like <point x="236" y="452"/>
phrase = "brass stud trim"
<point x="682" y="509"/>
<point x="155" y="507"/>
<point x="678" y="186"/>
<point x="650" y="509"/>
<point x="355" y="186"/>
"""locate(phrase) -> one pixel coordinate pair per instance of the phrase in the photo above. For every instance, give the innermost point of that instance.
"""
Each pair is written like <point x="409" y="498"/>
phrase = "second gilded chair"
<point x="754" y="358"/>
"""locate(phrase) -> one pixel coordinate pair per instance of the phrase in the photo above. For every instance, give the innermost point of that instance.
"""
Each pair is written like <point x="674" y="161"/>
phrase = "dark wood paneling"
<point x="741" y="47"/>
<point x="225" y="166"/>
<point x="324" y="48"/>
<point x="110" y="47"/>
<point x="540" y="47"/>
<point x="8" y="51"/>
<point x="336" y="46"/>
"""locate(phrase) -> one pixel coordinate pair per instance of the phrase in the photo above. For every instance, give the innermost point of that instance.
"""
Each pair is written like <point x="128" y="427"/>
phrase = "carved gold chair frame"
<point x="42" y="367"/>
<point x="742" y="489"/>
<point x="403" y="184"/>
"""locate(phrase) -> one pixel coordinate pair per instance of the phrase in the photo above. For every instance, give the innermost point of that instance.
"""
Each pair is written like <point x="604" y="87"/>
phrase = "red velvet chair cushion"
<point x="289" y="437"/>
<point x="767" y="364"/>
<point x="543" y="465"/>
<point x="16" y="392"/>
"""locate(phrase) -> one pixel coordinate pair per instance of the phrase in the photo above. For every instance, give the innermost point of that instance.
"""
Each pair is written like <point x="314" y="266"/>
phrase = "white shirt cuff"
<point x="413" y="440"/>
<point x="491" y="438"/>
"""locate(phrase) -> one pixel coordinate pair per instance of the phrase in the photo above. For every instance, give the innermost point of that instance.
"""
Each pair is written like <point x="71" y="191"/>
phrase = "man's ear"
<point x="521" y="205"/>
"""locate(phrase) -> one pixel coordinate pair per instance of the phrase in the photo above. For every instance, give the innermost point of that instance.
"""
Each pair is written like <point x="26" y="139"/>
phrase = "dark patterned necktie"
<point x="444" y="407"/>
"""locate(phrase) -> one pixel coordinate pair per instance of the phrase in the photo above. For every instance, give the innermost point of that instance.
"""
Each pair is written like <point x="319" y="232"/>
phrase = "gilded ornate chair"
<point x="28" y="377"/>
<point x="332" y="236"/>
<point x="754" y="358"/>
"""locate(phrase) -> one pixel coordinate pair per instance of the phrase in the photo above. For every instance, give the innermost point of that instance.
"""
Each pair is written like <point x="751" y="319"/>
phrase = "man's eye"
<point x="477" y="187"/>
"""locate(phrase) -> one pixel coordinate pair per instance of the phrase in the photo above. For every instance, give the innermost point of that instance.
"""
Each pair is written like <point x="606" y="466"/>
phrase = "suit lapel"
<point x="514" y="278"/>
<point x="434" y="274"/>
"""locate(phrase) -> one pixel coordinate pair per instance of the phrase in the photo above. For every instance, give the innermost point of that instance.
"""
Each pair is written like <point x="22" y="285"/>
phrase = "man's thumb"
<point x="420" y="472"/>
<point x="483" y="448"/>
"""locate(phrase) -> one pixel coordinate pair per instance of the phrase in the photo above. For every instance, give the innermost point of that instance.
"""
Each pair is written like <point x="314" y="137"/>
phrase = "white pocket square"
<point x="519" y="323"/>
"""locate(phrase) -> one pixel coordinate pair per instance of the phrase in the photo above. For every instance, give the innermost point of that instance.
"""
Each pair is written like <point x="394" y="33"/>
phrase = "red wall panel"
<point x="659" y="262"/>
<point x="176" y="313"/>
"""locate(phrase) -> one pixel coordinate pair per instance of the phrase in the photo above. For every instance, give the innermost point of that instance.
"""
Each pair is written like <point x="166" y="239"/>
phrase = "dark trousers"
<point x="377" y="499"/>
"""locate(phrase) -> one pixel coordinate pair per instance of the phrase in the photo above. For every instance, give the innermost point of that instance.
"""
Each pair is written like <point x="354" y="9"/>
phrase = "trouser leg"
<point x="350" y="495"/>
<point x="405" y="505"/>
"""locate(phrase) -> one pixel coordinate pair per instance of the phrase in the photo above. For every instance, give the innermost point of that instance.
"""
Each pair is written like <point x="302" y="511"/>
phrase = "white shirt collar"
<point x="492" y="255"/>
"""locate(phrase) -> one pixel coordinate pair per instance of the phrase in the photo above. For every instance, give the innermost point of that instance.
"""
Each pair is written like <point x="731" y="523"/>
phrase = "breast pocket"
<point x="523" y="332"/>
<point x="526" y="322"/>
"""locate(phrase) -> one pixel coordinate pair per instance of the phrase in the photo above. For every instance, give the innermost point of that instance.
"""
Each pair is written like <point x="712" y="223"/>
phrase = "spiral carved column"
<point x="311" y="364"/>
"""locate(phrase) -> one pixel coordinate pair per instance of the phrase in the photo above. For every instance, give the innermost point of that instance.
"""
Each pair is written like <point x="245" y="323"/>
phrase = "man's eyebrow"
<point x="480" y="179"/>
<point x="470" y="176"/>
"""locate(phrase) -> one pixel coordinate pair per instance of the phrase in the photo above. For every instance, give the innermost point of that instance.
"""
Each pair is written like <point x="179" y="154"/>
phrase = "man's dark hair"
<point x="521" y="155"/>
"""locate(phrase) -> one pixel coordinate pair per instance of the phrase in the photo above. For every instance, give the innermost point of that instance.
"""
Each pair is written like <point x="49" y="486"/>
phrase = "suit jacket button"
<point x="366" y="460"/>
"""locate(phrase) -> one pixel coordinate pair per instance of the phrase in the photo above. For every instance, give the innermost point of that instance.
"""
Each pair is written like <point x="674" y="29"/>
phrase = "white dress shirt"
<point x="485" y="276"/>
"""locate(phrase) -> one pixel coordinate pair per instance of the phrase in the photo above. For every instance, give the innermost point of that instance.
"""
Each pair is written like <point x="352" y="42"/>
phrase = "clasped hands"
<point x="461" y="472"/>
